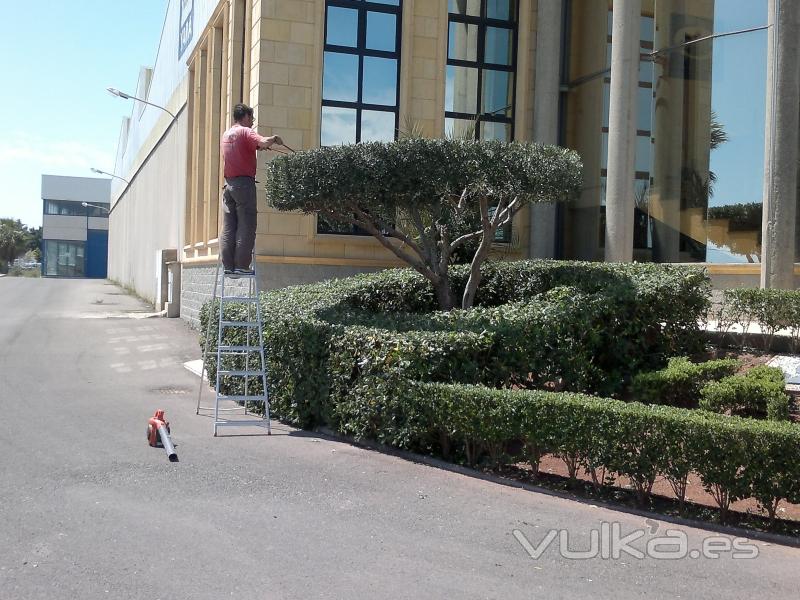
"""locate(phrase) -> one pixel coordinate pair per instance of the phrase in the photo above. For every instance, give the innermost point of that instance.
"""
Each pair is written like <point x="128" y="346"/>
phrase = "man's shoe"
<point x="229" y="271"/>
<point x="244" y="272"/>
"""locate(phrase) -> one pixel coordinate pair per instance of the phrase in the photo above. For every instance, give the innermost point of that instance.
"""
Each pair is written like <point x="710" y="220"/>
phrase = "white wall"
<point x="149" y="216"/>
<point x="93" y="190"/>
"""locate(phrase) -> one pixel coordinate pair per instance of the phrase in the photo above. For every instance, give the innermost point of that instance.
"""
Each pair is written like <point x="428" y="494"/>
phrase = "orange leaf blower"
<point x="158" y="431"/>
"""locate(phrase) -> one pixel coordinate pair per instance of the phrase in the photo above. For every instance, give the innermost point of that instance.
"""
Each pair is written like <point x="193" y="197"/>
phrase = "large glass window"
<point x="63" y="259"/>
<point x="481" y="63"/>
<point x="360" y="79"/>
<point x="699" y="150"/>
<point x="71" y="208"/>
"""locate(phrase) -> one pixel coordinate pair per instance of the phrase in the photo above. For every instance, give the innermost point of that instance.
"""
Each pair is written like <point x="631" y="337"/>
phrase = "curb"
<point x="762" y="536"/>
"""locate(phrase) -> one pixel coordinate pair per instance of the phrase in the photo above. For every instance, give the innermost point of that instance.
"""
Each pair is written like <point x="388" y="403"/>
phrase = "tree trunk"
<point x="444" y="294"/>
<point x="475" y="269"/>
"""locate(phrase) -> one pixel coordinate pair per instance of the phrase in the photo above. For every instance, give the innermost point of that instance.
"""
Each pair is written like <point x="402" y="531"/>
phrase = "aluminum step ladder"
<point x="234" y="361"/>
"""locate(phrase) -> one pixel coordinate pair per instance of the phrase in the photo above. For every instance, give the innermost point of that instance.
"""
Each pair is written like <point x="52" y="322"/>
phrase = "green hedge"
<point x="679" y="384"/>
<point x="578" y="326"/>
<point x="736" y="458"/>
<point x="759" y="393"/>
<point x="771" y="309"/>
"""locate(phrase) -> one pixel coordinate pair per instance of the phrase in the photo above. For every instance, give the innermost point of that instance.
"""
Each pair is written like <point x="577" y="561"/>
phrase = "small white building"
<point x="75" y="226"/>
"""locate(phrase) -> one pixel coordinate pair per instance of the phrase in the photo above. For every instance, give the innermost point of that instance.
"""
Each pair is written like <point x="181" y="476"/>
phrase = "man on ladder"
<point x="239" y="146"/>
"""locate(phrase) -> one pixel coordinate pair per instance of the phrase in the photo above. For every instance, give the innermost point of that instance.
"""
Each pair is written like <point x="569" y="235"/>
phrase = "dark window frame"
<point x="361" y="51"/>
<point x="80" y="210"/>
<point x="483" y="22"/>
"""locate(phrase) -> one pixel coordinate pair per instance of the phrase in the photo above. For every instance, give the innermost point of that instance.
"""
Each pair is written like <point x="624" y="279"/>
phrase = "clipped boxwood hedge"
<point x="580" y="326"/>
<point x="759" y="393"/>
<point x="679" y="384"/>
<point x="736" y="458"/>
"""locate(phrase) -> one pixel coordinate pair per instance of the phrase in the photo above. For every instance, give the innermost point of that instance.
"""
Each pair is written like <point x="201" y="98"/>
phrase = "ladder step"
<point x="259" y="398"/>
<point x="242" y="373"/>
<point x="238" y="275"/>
<point x="222" y="408"/>
<point x="239" y="348"/>
<point x="240" y="323"/>
<point x="254" y="423"/>
<point x="232" y="299"/>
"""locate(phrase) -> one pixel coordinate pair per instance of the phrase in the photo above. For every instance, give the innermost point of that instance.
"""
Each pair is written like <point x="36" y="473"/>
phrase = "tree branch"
<point x="417" y="262"/>
<point x="465" y="238"/>
<point x="427" y="244"/>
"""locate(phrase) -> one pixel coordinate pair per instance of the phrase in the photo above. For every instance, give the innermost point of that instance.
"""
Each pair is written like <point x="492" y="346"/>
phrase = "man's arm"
<point x="267" y="142"/>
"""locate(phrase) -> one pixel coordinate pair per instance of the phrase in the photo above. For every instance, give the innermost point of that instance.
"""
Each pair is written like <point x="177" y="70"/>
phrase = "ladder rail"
<point x="229" y="295"/>
<point x="204" y="367"/>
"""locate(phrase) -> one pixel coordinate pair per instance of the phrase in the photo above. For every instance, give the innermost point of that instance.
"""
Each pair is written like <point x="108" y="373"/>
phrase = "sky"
<point x="56" y="60"/>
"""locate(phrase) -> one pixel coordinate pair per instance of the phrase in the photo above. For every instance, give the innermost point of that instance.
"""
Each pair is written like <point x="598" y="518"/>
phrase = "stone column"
<point x="622" y="130"/>
<point x="542" y="242"/>
<point x="781" y="145"/>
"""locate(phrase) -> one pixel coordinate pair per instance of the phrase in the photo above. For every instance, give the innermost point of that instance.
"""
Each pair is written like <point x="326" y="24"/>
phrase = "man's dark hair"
<point x="240" y="111"/>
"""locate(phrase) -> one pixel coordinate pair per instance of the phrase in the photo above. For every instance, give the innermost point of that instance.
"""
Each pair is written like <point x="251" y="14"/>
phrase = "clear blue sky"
<point x="56" y="60"/>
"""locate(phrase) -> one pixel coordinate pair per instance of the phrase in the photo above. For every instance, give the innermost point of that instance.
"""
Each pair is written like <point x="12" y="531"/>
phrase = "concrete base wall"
<point x="197" y="281"/>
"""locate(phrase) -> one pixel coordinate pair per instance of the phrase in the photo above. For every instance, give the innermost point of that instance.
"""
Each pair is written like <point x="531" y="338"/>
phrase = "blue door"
<point x="97" y="253"/>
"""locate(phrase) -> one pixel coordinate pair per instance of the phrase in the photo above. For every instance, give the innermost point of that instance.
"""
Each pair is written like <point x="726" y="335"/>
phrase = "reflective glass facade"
<point x="63" y="258"/>
<point x="699" y="150"/>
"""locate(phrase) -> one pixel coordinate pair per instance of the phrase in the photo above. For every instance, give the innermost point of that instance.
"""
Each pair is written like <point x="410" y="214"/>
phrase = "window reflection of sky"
<point x="739" y="101"/>
<point x="500" y="9"/>
<point x="338" y="126"/>
<point x="377" y="126"/>
<point x="497" y="92"/>
<point x="380" y="81"/>
<point x="342" y="26"/>
<point x="340" y="78"/>
<point x="381" y="31"/>
<point x="498" y="46"/>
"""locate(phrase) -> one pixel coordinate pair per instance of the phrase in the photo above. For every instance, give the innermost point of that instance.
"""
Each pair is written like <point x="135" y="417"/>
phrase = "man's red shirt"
<point x="238" y="146"/>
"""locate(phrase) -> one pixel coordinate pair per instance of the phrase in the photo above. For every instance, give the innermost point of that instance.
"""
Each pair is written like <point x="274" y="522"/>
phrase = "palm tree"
<point x="13" y="239"/>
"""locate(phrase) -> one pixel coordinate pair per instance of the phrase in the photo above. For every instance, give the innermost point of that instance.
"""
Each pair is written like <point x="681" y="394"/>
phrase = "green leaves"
<point x="431" y="202"/>
<point x="425" y="173"/>
<point x="679" y="384"/>
<point x="758" y="393"/>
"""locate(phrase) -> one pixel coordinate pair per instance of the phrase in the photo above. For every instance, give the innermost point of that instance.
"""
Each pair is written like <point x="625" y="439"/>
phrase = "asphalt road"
<point x="89" y="510"/>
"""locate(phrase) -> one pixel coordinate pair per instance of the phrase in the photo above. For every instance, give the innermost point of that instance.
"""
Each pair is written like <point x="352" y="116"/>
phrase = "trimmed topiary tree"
<point x="424" y="199"/>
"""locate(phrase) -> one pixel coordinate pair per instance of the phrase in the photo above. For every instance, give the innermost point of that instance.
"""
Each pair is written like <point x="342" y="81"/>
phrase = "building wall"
<point x="270" y="54"/>
<point x="65" y="251"/>
<point x="149" y="215"/>
<point x="285" y="74"/>
<point x="59" y="227"/>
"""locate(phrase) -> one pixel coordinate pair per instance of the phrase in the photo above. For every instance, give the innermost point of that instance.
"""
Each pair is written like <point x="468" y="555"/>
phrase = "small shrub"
<point x="679" y="384"/>
<point x="759" y="393"/>
<point x="771" y="309"/>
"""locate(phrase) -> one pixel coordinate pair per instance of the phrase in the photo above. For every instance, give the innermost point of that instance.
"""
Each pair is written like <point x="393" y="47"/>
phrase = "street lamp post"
<point x="118" y="94"/>
<point x="99" y="172"/>
<point x="86" y="205"/>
